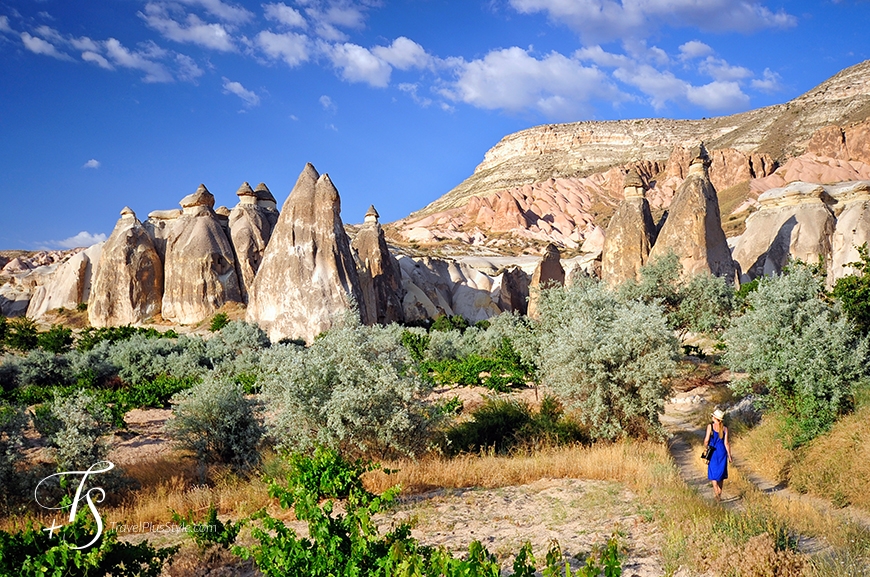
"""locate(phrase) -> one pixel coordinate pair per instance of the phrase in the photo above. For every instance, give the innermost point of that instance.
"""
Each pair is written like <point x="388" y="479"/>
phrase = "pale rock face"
<point x="693" y="229"/>
<point x="308" y="276"/>
<point x="852" y="229"/>
<point x="436" y="287"/>
<point x="251" y="227"/>
<point x="514" y="293"/>
<point x="549" y="273"/>
<point x="128" y="283"/>
<point x="793" y="221"/>
<point x="159" y="226"/>
<point x="200" y="271"/>
<point x="379" y="273"/>
<point x="68" y="286"/>
<point x="629" y="237"/>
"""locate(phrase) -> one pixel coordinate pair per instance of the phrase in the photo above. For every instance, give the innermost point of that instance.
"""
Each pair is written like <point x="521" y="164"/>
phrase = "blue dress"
<point x="717" y="470"/>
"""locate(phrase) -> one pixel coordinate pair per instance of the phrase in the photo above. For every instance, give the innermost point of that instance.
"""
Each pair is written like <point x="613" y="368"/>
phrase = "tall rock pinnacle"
<point x="630" y="234"/>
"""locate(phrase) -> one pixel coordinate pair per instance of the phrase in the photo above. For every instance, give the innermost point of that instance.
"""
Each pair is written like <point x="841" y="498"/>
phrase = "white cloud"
<point x="412" y="90"/>
<point x="662" y="86"/>
<point x="514" y="80"/>
<point x="97" y="59"/>
<point x="358" y="64"/>
<point x="722" y="71"/>
<point x="92" y="163"/>
<point x="771" y="82"/>
<point x="121" y="56"/>
<point x="718" y="96"/>
<point x="194" y="31"/>
<point x="82" y="239"/>
<point x="188" y="71"/>
<point x="40" y="46"/>
<point x="4" y="24"/>
<point x="290" y="47"/>
<point x="222" y="10"/>
<point x="248" y="97"/>
<point x="285" y="15"/>
<point x="327" y="103"/>
<point x="694" y="49"/>
<point x="329" y="16"/>
<point x="403" y="54"/>
<point x="606" y="20"/>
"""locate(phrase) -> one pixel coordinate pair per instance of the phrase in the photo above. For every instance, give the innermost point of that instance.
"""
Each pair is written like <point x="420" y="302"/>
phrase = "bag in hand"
<point x="708" y="452"/>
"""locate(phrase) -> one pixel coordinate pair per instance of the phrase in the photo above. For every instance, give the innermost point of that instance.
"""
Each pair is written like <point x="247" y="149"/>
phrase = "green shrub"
<point x="354" y="388"/>
<point x="21" y="334"/>
<point x="608" y="358"/>
<point x="505" y="424"/>
<point x="802" y="355"/>
<point x="416" y="343"/>
<point x="44" y="369"/>
<point x="216" y="421"/>
<point x="445" y="323"/>
<point x="219" y="321"/>
<point x="210" y="531"/>
<point x="57" y="339"/>
<point x="36" y="552"/>
<point x="853" y="291"/>
<point x="90" y="337"/>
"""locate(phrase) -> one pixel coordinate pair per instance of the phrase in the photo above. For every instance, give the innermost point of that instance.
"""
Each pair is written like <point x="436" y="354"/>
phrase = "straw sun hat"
<point x="718" y="414"/>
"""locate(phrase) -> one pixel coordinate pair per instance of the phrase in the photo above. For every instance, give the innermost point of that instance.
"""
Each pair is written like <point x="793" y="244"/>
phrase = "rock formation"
<point x="435" y="287"/>
<point x="380" y="275"/>
<point x="549" y="273"/>
<point x="793" y="221"/>
<point x="693" y="229"/>
<point x="200" y="270"/>
<point x="852" y="229"/>
<point x="251" y="224"/>
<point x="159" y="226"/>
<point x="630" y="234"/>
<point x="308" y="275"/>
<point x="128" y="284"/>
<point x="514" y="292"/>
<point x="68" y="286"/>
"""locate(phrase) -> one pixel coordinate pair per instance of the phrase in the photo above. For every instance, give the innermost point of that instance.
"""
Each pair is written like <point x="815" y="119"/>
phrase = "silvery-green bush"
<point x="42" y="368"/>
<point x="236" y="348"/>
<point x="77" y="428"/>
<point x="606" y="357"/>
<point x="800" y="351"/>
<point x="12" y="423"/>
<point x="517" y="329"/>
<point x="352" y="389"/>
<point x="216" y="421"/>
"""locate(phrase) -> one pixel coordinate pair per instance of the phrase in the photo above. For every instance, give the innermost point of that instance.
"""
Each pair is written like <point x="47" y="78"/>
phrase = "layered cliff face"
<point x="566" y="179"/>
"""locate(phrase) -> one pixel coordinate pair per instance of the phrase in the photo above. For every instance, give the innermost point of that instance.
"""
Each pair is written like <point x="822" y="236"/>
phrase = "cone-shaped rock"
<point x="793" y="222"/>
<point x="308" y="275"/>
<point x="549" y="273"/>
<point x="128" y="283"/>
<point x="514" y="291"/>
<point x="380" y="275"/>
<point x="251" y="225"/>
<point x="630" y="234"/>
<point x="693" y="230"/>
<point x="200" y="270"/>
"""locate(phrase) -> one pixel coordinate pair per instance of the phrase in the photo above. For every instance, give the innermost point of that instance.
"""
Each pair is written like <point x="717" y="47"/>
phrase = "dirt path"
<point x="685" y="419"/>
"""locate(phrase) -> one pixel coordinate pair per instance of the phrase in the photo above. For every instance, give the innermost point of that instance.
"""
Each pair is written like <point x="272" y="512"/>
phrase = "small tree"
<point x="22" y="335"/>
<point x="218" y="423"/>
<point x="608" y="358"/>
<point x="802" y="354"/>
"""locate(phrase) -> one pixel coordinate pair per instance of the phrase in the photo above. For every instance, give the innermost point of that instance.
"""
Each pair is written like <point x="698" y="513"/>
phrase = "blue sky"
<point x="107" y="103"/>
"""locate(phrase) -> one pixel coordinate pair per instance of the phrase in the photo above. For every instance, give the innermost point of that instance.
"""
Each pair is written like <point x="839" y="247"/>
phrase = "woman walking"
<point x="717" y="437"/>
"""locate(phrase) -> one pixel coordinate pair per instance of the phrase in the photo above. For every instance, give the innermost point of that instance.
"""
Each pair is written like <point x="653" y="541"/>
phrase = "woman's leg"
<point x="717" y="490"/>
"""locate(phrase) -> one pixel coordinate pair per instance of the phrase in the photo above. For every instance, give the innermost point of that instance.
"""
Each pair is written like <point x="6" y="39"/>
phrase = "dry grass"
<point x="764" y="451"/>
<point x="639" y="464"/>
<point x="836" y="466"/>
